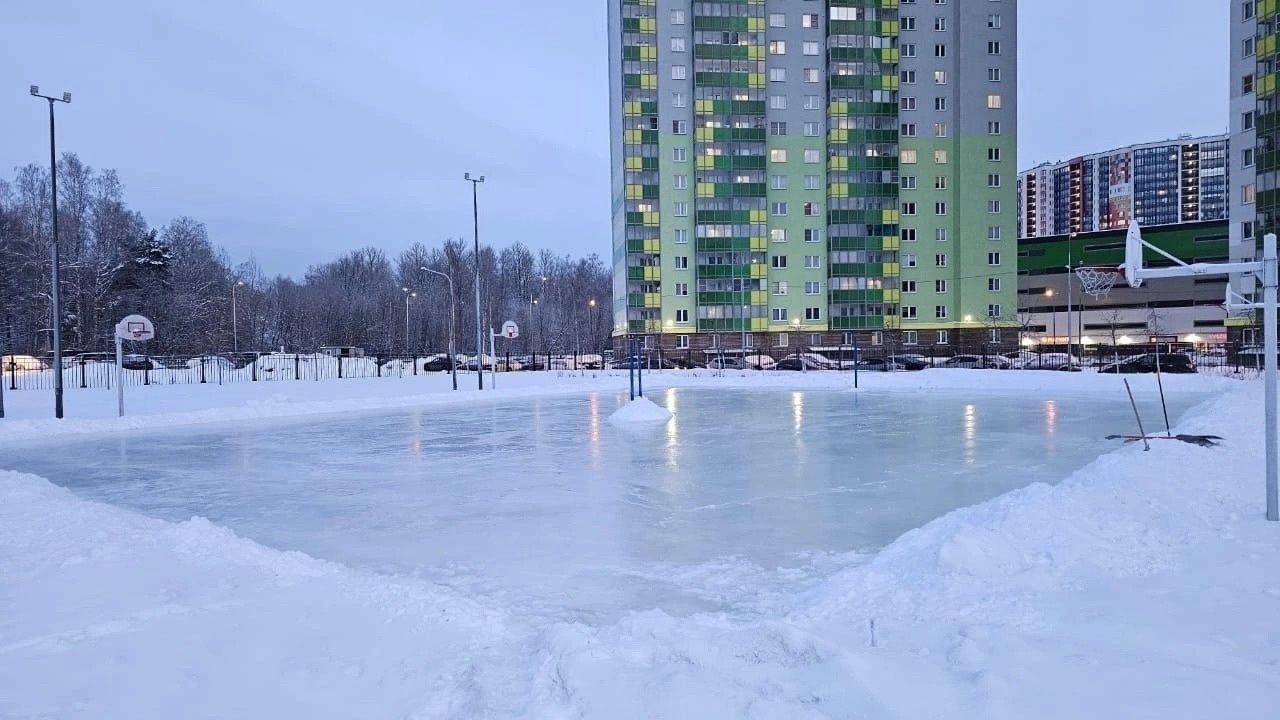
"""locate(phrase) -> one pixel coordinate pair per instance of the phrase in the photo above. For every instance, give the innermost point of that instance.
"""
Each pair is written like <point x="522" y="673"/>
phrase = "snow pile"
<point x="641" y="411"/>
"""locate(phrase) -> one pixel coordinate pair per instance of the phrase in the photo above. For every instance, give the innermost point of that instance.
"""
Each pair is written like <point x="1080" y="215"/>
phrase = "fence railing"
<point x="25" y="372"/>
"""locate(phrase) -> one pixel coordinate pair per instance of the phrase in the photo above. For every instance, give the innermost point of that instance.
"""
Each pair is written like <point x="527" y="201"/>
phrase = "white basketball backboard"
<point x="510" y="330"/>
<point x="135" y="327"/>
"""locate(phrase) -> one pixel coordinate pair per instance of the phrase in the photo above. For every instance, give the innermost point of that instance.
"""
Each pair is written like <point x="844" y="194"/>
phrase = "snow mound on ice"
<point x="641" y="411"/>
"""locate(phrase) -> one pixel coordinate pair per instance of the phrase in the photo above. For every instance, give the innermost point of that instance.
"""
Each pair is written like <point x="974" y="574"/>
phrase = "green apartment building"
<point x="790" y="173"/>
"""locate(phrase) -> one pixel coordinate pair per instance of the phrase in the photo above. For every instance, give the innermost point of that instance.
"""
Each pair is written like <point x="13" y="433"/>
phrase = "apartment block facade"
<point x="791" y="173"/>
<point x="1161" y="183"/>
<point x="1255" y="131"/>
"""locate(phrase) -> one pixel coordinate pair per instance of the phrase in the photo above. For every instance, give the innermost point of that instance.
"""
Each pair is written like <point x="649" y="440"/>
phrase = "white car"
<point x="12" y="363"/>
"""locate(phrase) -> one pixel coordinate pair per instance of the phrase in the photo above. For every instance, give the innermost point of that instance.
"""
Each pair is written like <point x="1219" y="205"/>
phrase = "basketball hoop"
<point x="1098" y="281"/>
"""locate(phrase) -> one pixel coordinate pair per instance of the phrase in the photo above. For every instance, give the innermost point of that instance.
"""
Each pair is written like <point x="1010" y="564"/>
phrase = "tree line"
<point x="113" y="263"/>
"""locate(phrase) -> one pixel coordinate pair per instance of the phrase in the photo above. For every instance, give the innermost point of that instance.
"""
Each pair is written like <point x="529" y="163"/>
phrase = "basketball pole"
<point x="1269" y="349"/>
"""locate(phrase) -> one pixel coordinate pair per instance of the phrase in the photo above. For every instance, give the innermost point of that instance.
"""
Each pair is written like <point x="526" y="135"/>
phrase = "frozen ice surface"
<point x="542" y="506"/>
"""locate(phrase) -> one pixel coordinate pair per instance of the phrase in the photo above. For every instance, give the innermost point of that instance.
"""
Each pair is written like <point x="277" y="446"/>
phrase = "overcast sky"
<point x="297" y="129"/>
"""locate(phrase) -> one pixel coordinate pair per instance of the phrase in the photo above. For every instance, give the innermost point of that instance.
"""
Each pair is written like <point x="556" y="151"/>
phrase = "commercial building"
<point x="792" y="173"/>
<point x="1159" y="183"/>
<point x="1054" y="310"/>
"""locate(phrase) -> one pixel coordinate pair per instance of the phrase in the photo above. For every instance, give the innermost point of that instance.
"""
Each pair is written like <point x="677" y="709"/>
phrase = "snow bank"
<point x="640" y="412"/>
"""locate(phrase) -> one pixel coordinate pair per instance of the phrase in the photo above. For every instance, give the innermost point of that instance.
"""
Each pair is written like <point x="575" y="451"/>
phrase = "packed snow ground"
<point x="1146" y="585"/>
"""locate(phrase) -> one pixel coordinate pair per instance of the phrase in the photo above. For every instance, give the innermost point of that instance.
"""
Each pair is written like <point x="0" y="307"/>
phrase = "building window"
<point x="682" y="289"/>
<point x="993" y="154"/>
<point x="993" y="22"/>
<point x="909" y="260"/>
<point x="778" y="262"/>
<point x="940" y="24"/>
<point x="1249" y="193"/>
<point x="907" y="22"/>
<point x="812" y="156"/>
<point x="993" y="47"/>
<point x="778" y="182"/>
<point x="993" y="180"/>
<point x="681" y="209"/>
<point x="940" y="50"/>
<point x="908" y="208"/>
<point x="679" y="127"/>
<point x="809" y="47"/>
<point x="677" y="100"/>
<point x="908" y="286"/>
<point x="777" y="128"/>
<point x="993" y="207"/>
<point x="993" y="232"/>
<point x="908" y="312"/>
<point x="939" y="286"/>
<point x="778" y="209"/>
<point x="679" y="154"/>
<point x="812" y="102"/>
<point x="877" y="338"/>
<point x="940" y="208"/>
<point x="909" y="337"/>
<point x="812" y="287"/>
<point x="939" y="77"/>
<point x="682" y="342"/>
<point x="908" y="157"/>
<point x="940" y="129"/>
<point x="1247" y="9"/>
<point x="994" y="102"/>
<point x="779" y="315"/>
<point x="811" y="129"/>
<point x="810" y="209"/>
<point x="906" y="102"/>
<point x="809" y="20"/>
<point x="1246" y="120"/>
<point x="940" y="104"/>
<point x="678" y="72"/>
<point x="994" y="311"/>
<point x="940" y="182"/>
<point x="1246" y="84"/>
<point x="682" y="316"/>
<point x="1248" y="47"/>
<point x="943" y="337"/>
<point x="908" y="50"/>
<point x="940" y="260"/>
<point x="940" y="157"/>
<point x="682" y="236"/>
<point x="677" y="17"/>
<point x="777" y="74"/>
<point x="940" y="234"/>
<point x="1248" y="157"/>
<point x="907" y="234"/>
<point x="682" y="262"/>
<point x="908" y="130"/>
<point x="777" y="20"/>
<point x="780" y="287"/>
<point x="907" y="182"/>
<point x="812" y="314"/>
<point x="812" y="262"/>
<point x="777" y="47"/>
<point x="812" y="182"/>
<point x="993" y="335"/>
<point x="681" y="182"/>
<point x="908" y="77"/>
<point x="993" y="258"/>
<point x="677" y="44"/>
<point x="778" y="155"/>
<point x="777" y="102"/>
<point x="993" y="127"/>
<point x="993" y="74"/>
<point x="810" y="75"/>
<point x="940" y="312"/>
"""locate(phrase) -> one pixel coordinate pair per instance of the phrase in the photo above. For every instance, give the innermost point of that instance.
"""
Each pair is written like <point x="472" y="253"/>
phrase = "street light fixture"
<point x="407" y="295"/>
<point x="453" y="313"/>
<point x="55" y="297"/>
<point x="475" y="220"/>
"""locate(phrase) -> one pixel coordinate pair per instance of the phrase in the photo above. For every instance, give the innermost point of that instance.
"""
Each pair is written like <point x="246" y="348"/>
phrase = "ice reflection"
<point x="1051" y="416"/>
<point x="797" y="412"/>
<point x="673" y="429"/>
<point x="593" y="430"/>
<point x="970" y="433"/>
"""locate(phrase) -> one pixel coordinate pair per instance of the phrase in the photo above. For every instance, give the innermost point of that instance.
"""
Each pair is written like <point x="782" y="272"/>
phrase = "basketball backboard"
<point x="135" y="327"/>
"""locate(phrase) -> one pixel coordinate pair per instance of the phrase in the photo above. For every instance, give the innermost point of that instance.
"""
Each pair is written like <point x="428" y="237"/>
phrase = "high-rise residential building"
<point x="790" y="173"/>
<point x="1255" y="131"/>
<point x="1160" y="183"/>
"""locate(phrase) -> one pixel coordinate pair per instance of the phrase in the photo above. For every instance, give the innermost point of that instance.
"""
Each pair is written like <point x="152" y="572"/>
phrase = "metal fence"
<point x="24" y="372"/>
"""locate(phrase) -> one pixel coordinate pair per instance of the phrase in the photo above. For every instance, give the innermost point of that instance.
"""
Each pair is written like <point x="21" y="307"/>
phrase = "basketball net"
<point x="1098" y="281"/>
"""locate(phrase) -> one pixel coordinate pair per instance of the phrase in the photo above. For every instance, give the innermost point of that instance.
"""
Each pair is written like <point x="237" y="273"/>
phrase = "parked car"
<point x="727" y="363"/>
<point x="1045" y="361"/>
<point x="137" y="362"/>
<point x="20" y="363"/>
<point x="962" y="361"/>
<point x="790" y="362"/>
<point x="758" y="362"/>
<point x="890" y="364"/>
<point x="1172" y="363"/>
<point x="803" y="361"/>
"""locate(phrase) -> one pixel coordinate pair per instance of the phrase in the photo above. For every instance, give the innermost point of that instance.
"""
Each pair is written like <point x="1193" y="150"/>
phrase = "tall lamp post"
<point x="595" y="322"/>
<point x="407" y="295"/>
<point x="475" y="225"/>
<point x="1048" y="292"/>
<point x="453" y="313"/>
<point x="55" y="296"/>
<point x="235" y="325"/>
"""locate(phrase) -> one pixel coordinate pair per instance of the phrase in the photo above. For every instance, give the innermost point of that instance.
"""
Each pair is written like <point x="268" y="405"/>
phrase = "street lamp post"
<point x="1070" y="241"/>
<point x="595" y="321"/>
<point x="235" y="325"/>
<point x="475" y="224"/>
<point x="453" y="312"/>
<point x="55" y="297"/>
<point x="1048" y="292"/>
<point x="407" y="295"/>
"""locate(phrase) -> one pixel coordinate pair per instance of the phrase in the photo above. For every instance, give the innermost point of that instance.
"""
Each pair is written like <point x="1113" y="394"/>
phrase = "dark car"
<point x="790" y="363"/>
<point x="891" y="364"/>
<point x="436" y="364"/>
<point x="136" y="362"/>
<point x="963" y="361"/>
<point x="1172" y="363"/>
